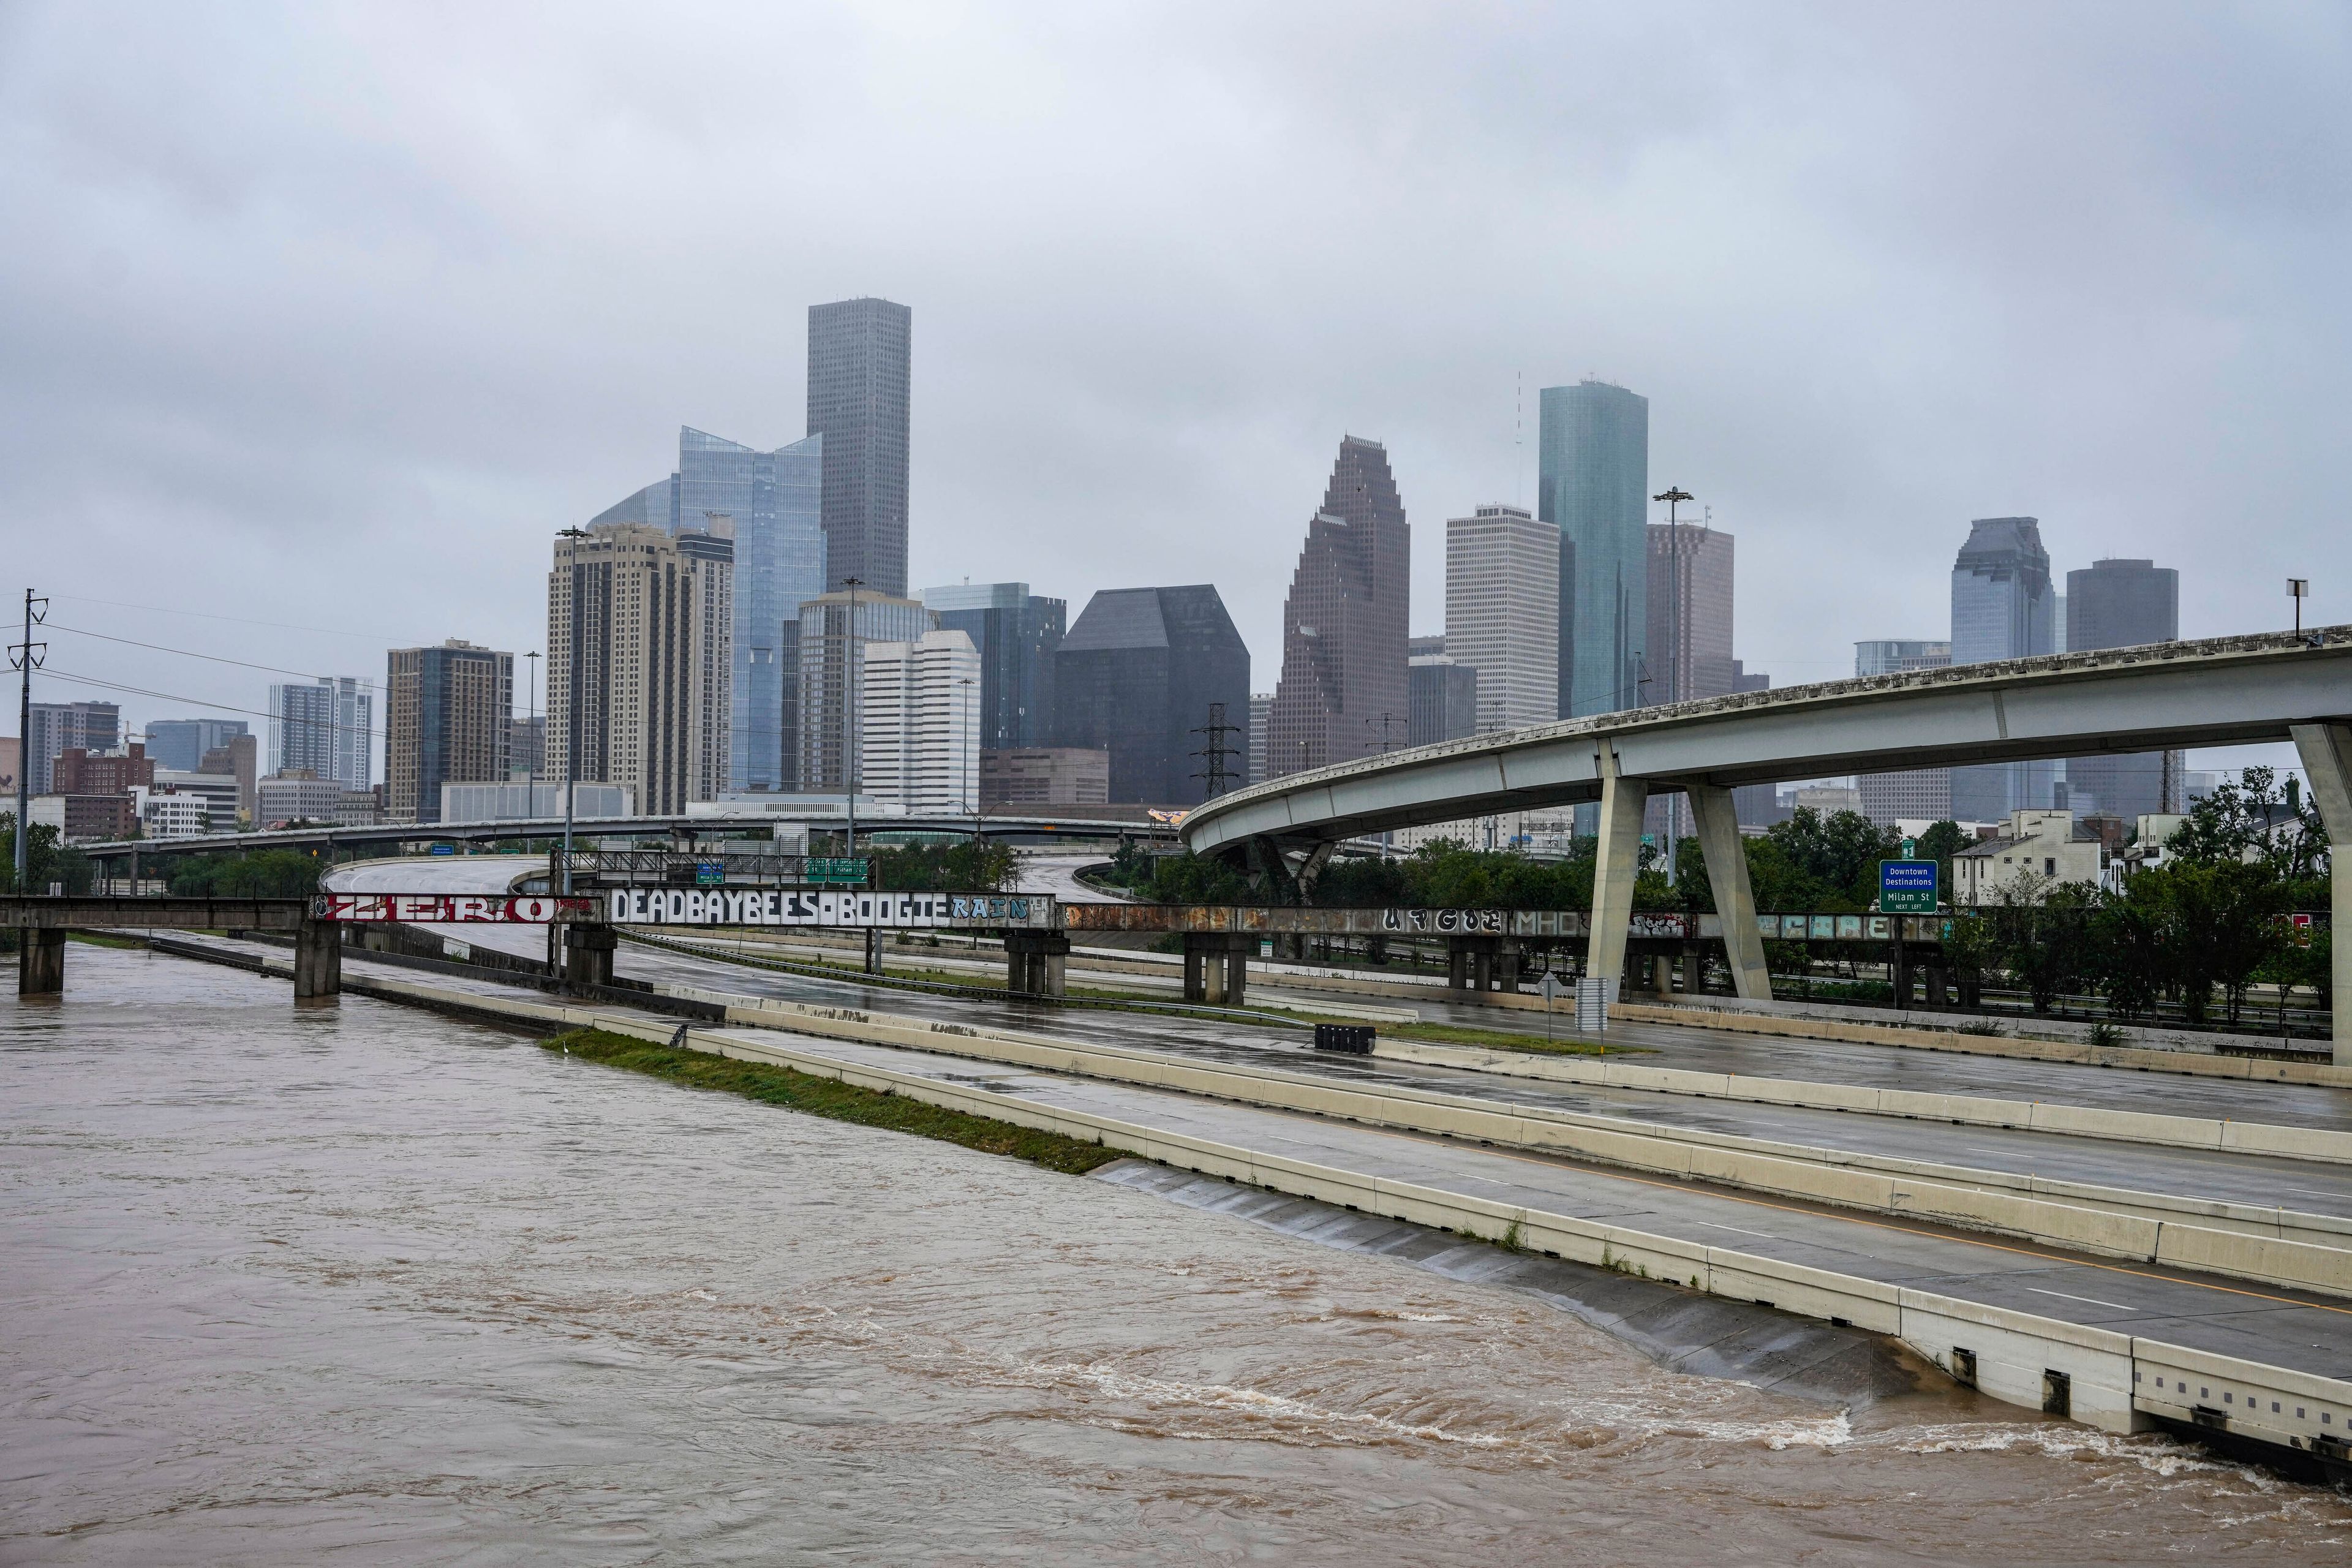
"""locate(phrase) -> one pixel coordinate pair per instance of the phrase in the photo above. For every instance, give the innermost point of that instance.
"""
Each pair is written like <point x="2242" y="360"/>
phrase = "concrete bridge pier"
<point x="40" y="961"/>
<point x="318" y="959"/>
<point x="1035" y="962"/>
<point x="1616" y="865"/>
<point x="2326" y="753"/>
<point x="588" y="954"/>
<point x="1735" y="895"/>
<point x="1216" y="967"/>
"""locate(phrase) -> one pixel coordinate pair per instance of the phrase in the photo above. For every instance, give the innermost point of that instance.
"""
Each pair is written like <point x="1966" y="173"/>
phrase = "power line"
<point x="191" y="653"/>
<point x="200" y="702"/>
<point x="240" y="620"/>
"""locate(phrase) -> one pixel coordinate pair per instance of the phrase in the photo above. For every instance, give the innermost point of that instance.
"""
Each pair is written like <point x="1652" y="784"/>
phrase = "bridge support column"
<point x="318" y="959"/>
<point x="40" y="961"/>
<point x="1217" y="966"/>
<point x="1035" y="962"/>
<point x="2326" y="753"/>
<point x="1615" y="867"/>
<point x="588" y="954"/>
<point x="1735" y="897"/>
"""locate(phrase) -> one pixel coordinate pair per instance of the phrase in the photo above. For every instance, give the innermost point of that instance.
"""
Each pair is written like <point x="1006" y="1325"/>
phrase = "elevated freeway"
<point x="2219" y="691"/>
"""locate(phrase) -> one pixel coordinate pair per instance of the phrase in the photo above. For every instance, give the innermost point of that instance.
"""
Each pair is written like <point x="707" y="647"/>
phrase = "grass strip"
<point x="835" y="1100"/>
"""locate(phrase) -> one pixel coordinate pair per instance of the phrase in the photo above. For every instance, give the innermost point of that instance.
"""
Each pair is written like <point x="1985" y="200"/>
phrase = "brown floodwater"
<point x="341" y="1280"/>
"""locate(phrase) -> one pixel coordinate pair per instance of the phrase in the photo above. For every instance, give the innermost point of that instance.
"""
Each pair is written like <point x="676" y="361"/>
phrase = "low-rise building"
<point x="168" y="813"/>
<point x="1044" y="775"/>
<point x="84" y="818"/>
<point x="2035" y="851"/>
<point x="80" y="771"/>
<point x="302" y="797"/>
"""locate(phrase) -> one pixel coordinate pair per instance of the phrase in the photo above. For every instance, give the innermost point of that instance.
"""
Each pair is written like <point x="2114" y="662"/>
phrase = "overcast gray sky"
<point x="331" y="315"/>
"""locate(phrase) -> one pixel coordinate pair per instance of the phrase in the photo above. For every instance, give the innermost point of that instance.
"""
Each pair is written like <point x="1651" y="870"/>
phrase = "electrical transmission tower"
<point x="1215" y="776"/>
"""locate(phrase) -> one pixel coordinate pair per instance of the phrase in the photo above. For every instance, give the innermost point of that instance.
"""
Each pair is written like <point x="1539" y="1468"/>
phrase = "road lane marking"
<point x="2089" y="1300"/>
<point x="1712" y="1225"/>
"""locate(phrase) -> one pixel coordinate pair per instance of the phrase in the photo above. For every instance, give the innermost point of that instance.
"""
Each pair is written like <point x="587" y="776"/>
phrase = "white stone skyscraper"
<point x="1502" y="613"/>
<point x="918" y="723"/>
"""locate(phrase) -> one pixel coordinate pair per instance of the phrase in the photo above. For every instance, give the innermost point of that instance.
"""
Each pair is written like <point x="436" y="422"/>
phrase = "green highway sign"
<point x="836" y="872"/>
<point x="1907" y="887"/>
<point x="710" y="873"/>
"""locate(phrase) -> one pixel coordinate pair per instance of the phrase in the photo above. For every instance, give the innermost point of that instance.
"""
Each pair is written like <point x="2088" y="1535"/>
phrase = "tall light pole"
<point x="2297" y="588"/>
<point x="26" y="656"/>
<point x="531" y="796"/>
<point x="571" y="711"/>
<point x="849" y="663"/>
<point x="966" y="745"/>
<point x="1674" y="496"/>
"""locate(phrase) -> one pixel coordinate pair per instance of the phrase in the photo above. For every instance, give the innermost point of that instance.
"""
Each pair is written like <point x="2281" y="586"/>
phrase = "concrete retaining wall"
<point x="2320" y="1145"/>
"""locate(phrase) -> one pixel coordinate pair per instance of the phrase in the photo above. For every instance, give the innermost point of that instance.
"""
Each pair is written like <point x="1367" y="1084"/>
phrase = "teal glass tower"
<point x="1592" y="483"/>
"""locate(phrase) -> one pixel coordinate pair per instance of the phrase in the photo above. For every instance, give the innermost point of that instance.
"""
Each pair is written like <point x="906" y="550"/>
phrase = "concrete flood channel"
<point x="2255" y="1369"/>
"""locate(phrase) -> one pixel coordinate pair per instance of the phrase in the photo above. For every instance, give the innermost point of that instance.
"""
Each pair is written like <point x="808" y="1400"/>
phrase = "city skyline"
<point x="334" y="425"/>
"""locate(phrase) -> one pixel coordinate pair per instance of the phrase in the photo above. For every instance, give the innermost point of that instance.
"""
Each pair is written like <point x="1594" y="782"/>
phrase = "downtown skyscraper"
<point x="639" y="628"/>
<point x="1592" y="484"/>
<point x="2003" y="606"/>
<point x="448" y="714"/>
<point x="859" y="352"/>
<point x="1502" y="612"/>
<point x="771" y="504"/>
<point x="2123" y="604"/>
<point x="1343" y="692"/>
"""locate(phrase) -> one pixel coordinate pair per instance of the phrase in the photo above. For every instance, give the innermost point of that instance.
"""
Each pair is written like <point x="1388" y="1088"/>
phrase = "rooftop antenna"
<point x="1519" y="439"/>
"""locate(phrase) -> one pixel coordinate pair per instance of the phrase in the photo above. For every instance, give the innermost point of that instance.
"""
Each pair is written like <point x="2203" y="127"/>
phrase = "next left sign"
<point x="448" y="909"/>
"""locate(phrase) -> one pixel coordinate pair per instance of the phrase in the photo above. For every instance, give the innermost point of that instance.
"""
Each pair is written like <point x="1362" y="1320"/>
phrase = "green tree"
<point x="47" y="859"/>
<point x="2042" y="935"/>
<point x="261" y="874"/>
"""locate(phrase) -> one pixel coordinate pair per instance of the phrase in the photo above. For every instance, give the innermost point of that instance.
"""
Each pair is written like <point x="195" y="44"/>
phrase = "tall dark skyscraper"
<point x="2123" y="604"/>
<point x="1016" y="633"/>
<point x="859" y="354"/>
<point x="1135" y="677"/>
<point x="1593" y="481"/>
<point x="1344" y="692"/>
<point x="2003" y="606"/>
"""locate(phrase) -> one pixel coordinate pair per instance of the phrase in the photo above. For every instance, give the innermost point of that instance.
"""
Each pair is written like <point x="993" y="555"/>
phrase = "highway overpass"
<point x="2219" y="691"/>
<point x="379" y="836"/>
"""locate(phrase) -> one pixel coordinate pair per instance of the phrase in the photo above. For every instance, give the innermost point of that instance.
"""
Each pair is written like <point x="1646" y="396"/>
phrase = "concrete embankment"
<point x="1951" y="1299"/>
<point x="2269" y="1243"/>
<point x="2322" y="1144"/>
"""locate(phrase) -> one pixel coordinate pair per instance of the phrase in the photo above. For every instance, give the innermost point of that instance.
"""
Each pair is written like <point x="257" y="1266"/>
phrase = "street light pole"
<point x="849" y="663"/>
<point x="1674" y="496"/>
<point x="571" y="714"/>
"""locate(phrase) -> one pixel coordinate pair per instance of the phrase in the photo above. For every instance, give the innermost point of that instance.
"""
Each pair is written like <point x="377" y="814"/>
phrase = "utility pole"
<point x="27" y="656"/>
<point x="1214" y="779"/>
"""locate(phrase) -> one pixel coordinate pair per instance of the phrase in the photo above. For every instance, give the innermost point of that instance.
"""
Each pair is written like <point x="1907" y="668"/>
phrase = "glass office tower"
<point x="1593" y="482"/>
<point x="2121" y="603"/>
<point x="2003" y="606"/>
<point x="1016" y="632"/>
<point x="771" y="505"/>
<point x="858" y="357"/>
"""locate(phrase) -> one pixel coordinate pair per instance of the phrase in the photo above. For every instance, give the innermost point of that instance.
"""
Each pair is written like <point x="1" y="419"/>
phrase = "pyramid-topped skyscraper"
<point x="1343" y="692"/>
